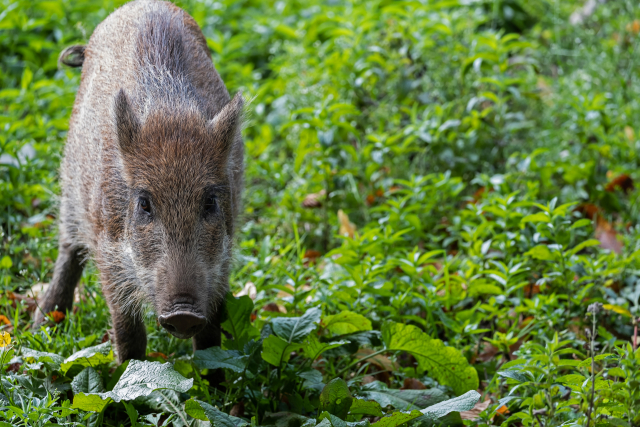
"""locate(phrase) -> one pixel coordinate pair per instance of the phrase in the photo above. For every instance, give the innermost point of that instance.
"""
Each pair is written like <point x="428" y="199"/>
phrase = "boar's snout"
<point x="182" y="324"/>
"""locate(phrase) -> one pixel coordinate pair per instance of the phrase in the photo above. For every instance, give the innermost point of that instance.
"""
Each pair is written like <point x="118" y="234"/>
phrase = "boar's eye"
<point x="210" y="204"/>
<point x="144" y="205"/>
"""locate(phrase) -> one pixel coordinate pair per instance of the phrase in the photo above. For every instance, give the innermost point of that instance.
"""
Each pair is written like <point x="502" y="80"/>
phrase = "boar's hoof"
<point x="182" y="324"/>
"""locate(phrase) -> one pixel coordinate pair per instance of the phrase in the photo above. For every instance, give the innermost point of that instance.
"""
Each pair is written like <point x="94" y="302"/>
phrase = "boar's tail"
<point x="73" y="56"/>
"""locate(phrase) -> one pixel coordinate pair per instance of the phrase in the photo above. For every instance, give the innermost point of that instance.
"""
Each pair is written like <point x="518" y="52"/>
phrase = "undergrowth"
<point x="441" y="221"/>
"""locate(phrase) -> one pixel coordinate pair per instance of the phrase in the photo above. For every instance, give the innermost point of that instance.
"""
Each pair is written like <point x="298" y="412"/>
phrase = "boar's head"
<point x="179" y="221"/>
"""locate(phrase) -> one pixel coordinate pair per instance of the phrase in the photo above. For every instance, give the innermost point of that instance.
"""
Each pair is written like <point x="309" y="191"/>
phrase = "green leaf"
<point x="51" y="360"/>
<point x="215" y="357"/>
<point x="537" y="217"/>
<point x="295" y="329"/>
<point x="139" y="379"/>
<point x="402" y="399"/>
<point x="346" y="322"/>
<point x="365" y="407"/>
<point x="313" y="348"/>
<point x="276" y="350"/>
<point x="397" y="418"/>
<point x="238" y="322"/>
<point x="90" y="356"/>
<point x="541" y="252"/>
<point x="87" y="381"/>
<point x="6" y="262"/>
<point x="205" y="412"/>
<point x="580" y="246"/>
<point x="445" y="364"/>
<point x="336" y="398"/>
<point x="312" y="378"/>
<point x="333" y="419"/>
<point x="466" y="402"/>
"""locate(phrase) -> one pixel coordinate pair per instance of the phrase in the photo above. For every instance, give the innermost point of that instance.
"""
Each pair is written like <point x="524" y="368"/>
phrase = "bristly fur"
<point x="154" y="121"/>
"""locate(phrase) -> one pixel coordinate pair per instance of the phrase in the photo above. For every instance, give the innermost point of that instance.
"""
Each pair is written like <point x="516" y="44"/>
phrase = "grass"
<point x="429" y="184"/>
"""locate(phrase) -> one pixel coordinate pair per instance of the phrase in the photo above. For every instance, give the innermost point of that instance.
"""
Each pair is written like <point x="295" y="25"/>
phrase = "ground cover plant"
<point x="441" y="221"/>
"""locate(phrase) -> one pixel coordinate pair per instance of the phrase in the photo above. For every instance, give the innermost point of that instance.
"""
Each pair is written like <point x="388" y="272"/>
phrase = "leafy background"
<point x="436" y="193"/>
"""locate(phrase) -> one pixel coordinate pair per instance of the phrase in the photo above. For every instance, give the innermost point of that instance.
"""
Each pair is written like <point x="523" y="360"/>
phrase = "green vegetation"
<point x="439" y="201"/>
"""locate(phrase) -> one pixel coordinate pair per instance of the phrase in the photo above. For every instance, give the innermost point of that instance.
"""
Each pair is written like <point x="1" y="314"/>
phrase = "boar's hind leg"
<point x="66" y="275"/>
<point x="211" y="336"/>
<point x="129" y="334"/>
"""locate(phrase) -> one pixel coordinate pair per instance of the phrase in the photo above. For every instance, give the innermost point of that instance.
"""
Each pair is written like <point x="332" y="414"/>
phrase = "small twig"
<point x="634" y="343"/>
<point x="593" y="309"/>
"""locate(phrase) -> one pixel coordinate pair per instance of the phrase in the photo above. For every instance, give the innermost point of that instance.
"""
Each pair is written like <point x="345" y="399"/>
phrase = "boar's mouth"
<point x="182" y="324"/>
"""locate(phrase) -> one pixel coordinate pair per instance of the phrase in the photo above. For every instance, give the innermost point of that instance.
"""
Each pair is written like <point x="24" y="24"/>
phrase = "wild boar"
<point x="151" y="178"/>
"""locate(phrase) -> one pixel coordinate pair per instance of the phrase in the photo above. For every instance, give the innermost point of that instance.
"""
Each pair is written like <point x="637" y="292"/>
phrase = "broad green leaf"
<point x="296" y="329"/>
<point x="334" y="420"/>
<point x="290" y="419"/>
<point x="580" y="246"/>
<point x="238" y="322"/>
<point x="336" y="398"/>
<point x="313" y="348"/>
<point x="90" y="356"/>
<point x="139" y="379"/>
<point x="205" y="412"/>
<point x="397" y="418"/>
<point x="466" y="402"/>
<point x="276" y="350"/>
<point x="346" y="322"/>
<point x="541" y="252"/>
<point x="215" y="357"/>
<point x="445" y="364"/>
<point x="537" y="217"/>
<point x="87" y="381"/>
<point x="402" y="399"/>
<point x="312" y="378"/>
<point x="51" y="360"/>
<point x="365" y="407"/>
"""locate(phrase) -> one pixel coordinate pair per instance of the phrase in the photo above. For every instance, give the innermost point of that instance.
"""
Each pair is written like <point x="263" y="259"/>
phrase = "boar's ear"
<point x="226" y="124"/>
<point x="127" y="124"/>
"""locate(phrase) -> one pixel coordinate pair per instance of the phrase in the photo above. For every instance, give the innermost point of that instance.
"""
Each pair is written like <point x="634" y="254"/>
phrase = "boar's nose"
<point x="182" y="324"/>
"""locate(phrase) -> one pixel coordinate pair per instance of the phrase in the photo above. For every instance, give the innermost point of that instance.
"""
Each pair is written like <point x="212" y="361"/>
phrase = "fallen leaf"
<point x="311" y="256"/>
<point x="249" y="290"/>
<point x="634" y="27"/>
<point x="502" y="410"/>
<point x="347" y="228"/>
<point x="413" y="384"/>
<point x="275" y="308"/>
<point x="312" y="201"/>
<point x="368" y="379"/>
<point x="531" y="289"/>
<point x="474" y="413"/>
<point x="624" y="182"/>
<point x="57" y="316"/>
<point x="382" y="362"/>
<point x="371" y="199"/>
<point x="284" y="294"/>
<point x="608" y="237"/>
<point x="237" y="410"/>
<point x="588" y="210"/>
<point x="4" y="320"/>
<point x="157" y="354"/>
<point x="630" y="133"/>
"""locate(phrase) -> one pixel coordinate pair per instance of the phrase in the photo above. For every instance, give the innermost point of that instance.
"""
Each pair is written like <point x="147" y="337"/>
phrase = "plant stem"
<point x="593" y="369"/>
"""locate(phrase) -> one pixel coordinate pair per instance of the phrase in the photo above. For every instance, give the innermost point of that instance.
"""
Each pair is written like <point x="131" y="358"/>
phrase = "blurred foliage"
<point x="466" y="168"/>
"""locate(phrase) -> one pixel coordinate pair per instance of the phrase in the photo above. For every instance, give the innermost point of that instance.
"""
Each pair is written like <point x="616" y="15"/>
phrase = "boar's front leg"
<point x="66" y="275"/>
<point x="129" y="334"/>
<point x="211" y="336"/>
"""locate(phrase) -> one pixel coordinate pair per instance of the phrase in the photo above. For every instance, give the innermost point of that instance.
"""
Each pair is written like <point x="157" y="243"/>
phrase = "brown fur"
<point x="152" y="120"/>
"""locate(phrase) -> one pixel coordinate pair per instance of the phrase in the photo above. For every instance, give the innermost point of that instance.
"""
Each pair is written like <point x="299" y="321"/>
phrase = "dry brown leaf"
<point x="623" y="182"/>
<point x="284" y="294"/>
<point x="503" y="410"/>
<point x="368" y="379"/>
<point x="382" y="362"/>
<point x="313" y="200"/>
<point x="476" y="411"/>
<point x="588" y="210"/>
<point x="413" y="384"/>
<point x="630" y="133"/>
<point x="347" y="228"/>
<point x="249" y="290"/>
<point x="607" y="236"/>
<point x="237" y="410"/>
<point x="4" y="320"/>
<point x="275" y="308"/>
<point x="311" y="256"/>
<point x="57" y="316"/>
<point x="157" y="354"/>
<point x="371" y="199"/>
